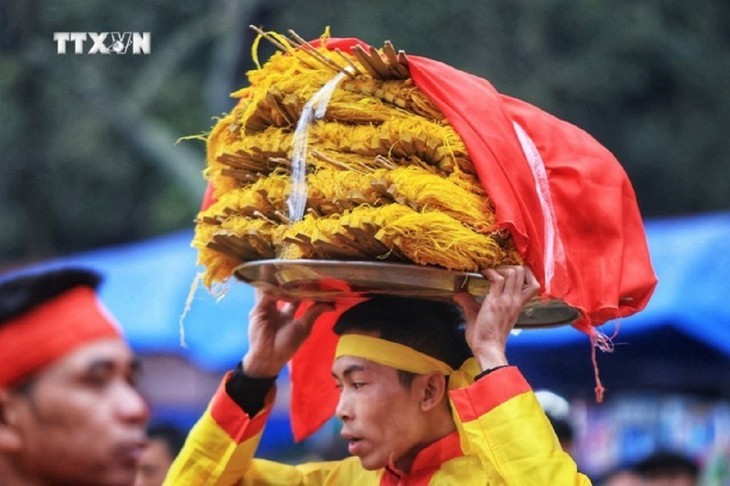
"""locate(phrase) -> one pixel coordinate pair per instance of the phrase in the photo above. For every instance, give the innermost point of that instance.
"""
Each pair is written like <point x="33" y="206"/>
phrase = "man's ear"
<point x="433" y="390"/>
<point x="10" y="437"/>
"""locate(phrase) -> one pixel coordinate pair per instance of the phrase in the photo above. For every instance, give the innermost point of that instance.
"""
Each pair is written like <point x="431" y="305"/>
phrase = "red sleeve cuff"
<point x="488" y="392"/>
<point x="232" y="419"/>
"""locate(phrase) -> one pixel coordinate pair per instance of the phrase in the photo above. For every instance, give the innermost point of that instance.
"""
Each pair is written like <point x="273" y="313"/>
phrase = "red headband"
<point x="50" y="331"/>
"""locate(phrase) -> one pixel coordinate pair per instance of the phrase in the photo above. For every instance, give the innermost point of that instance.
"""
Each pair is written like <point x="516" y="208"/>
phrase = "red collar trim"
<point x="431" y="457"/>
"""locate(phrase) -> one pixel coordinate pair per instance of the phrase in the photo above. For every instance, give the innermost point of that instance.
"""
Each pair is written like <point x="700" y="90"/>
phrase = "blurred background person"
<point x="557" y="410"/>
<point x="667" y="468"/>
<point x="69" y="410"/>
<point x="165" y="441"/>
<point x="619" y="476"/>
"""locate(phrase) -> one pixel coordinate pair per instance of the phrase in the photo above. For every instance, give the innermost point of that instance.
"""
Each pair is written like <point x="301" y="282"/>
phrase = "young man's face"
<point x="381" y="417"/>
<point x="82" y="421"/>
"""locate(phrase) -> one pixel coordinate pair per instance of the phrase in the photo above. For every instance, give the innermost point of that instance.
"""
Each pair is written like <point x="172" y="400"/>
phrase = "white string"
<point x="313" y="110"/>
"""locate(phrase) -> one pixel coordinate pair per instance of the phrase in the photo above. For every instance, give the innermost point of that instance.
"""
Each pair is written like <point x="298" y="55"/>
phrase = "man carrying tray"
<point x="404" y="159"/>
<point x="415" y="409"/>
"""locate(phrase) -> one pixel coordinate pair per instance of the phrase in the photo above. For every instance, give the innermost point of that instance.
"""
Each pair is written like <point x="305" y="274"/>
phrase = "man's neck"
<point x="438" y="428"/>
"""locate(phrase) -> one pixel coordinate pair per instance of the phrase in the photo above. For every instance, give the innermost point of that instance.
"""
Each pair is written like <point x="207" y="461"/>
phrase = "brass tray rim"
<point x="337" y="270"/>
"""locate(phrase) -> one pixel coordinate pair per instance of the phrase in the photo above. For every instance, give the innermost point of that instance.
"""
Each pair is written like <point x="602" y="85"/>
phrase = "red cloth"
<point x="600" y="260"/>
<point x="313" y="393"/>
<point x="607" y="272"/>
<point x="50" y="331"/>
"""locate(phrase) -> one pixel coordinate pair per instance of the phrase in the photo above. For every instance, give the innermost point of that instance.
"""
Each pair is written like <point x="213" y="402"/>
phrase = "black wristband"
<point x="248" y="393"/>
<point x="486" y="372"/>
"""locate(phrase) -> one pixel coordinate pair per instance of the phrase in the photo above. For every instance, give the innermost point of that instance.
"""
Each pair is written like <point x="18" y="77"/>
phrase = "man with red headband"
<point x="422" y="400"/>
<point x="69" y="411"/>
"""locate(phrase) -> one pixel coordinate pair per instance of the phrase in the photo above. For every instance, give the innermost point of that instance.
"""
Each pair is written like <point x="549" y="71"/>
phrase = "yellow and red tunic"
<point x="511" y="443"/>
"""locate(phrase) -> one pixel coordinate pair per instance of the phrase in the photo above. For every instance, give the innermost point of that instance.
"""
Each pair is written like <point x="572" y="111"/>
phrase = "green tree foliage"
<point x="88" y="143"/>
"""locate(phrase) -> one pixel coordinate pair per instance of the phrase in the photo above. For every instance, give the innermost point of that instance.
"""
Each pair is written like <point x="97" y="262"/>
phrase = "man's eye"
<point x="357" y="385"/>
<point x="97" y="378"/>
<point x="134" y="377"/>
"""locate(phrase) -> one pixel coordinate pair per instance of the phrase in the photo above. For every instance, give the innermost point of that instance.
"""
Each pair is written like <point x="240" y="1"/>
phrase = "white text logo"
<point x="103" y="42"/>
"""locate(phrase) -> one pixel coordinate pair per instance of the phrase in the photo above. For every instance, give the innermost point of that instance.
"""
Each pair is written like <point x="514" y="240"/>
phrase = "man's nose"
<point x="343" y="410"/>
<point x="132" y="407"/>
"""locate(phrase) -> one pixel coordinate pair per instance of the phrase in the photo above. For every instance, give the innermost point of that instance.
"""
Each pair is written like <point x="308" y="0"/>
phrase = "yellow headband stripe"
<point x="391" y="354"/>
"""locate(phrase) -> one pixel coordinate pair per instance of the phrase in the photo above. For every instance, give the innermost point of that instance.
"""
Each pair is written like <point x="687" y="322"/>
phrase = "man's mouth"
<point x="354" y="443"/>
<point x="355" y="447"/>
<point x="131" y="452"/>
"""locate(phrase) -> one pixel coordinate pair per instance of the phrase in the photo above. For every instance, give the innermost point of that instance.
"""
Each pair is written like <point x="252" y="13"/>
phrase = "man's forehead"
<point x="114" y="351"/>
<point x="349" y="364"/>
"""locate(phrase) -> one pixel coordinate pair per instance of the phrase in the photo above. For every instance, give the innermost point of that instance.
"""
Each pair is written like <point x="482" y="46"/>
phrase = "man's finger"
<point x="468" y="305"/>
<point x="531" y="286"/>
<point x="496" y="281"/>
<point x="264" y="297"/>
<point x="514" y="278"/>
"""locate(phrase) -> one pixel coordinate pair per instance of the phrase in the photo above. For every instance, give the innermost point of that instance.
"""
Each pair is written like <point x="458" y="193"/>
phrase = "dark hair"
<point x="172" y="436"/>
<point x="662" y="464"/>
<point x="431" y="327"/>
<point x="21" y="293"/>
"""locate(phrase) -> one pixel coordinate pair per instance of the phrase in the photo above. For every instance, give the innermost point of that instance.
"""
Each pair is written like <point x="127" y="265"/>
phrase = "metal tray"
<point x="330" y="280"/>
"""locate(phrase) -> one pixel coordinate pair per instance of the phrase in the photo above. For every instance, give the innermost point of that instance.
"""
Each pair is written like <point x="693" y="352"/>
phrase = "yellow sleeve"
<point x="220" y="447"/>
<point x="507" y="429"/>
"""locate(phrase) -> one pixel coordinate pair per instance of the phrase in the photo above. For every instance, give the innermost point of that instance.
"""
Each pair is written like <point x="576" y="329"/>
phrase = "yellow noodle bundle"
<point x="386" y="176"/>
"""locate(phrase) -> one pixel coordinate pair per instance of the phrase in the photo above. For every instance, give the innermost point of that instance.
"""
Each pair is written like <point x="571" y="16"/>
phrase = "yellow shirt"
<point x="510" y="442"/>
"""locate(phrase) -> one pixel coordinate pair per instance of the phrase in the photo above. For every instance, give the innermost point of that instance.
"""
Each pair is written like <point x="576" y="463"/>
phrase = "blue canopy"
<point x="148" y="283"/>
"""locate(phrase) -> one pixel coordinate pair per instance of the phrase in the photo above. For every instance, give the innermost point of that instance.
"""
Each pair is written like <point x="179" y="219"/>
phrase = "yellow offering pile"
<point x="377" y="174"/>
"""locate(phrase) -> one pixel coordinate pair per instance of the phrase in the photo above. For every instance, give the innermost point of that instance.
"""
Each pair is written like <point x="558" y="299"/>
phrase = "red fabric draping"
<point x="606" y="272"/>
